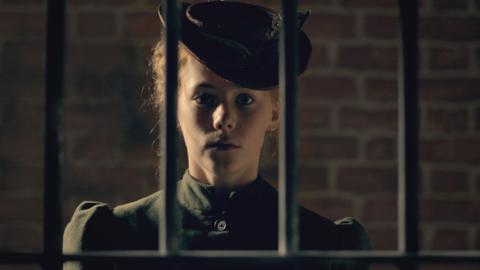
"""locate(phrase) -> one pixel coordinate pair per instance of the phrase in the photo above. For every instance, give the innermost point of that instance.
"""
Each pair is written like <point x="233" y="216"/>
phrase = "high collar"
<point x="198" y="196"/>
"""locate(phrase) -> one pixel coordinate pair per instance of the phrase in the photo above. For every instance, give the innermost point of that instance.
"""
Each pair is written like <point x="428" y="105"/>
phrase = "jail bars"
<point x="408" y="138"/>
<point x="288" y="240"/>
<point x="53" y="157"/>
<point x="407" y="256"/>
<point x="168" y="232"/>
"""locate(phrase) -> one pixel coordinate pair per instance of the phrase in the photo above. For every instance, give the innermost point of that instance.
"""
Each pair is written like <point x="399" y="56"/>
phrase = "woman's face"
<point x="223" y="125"/>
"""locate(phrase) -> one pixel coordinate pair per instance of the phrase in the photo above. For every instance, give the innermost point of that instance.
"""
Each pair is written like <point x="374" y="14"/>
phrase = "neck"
<point x="225" y="179"/>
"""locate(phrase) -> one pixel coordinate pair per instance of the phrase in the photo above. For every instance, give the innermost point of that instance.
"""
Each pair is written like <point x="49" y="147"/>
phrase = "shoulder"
<point x="87" y="227"/>
<point x="146" y="207"/>
<point x="352" y="235"/>
<point x="322" y="233"/>
<point x="97" y="226"/>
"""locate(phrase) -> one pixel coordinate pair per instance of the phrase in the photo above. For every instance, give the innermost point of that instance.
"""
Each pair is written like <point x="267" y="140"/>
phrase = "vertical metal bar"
<point x="55" y="49"/>
<point x="288" y="240"/>
<point x="408" y="160"/>
<point x="168" y="235"/>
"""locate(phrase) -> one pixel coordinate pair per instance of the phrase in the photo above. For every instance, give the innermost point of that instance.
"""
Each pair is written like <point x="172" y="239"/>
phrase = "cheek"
<point x="192" y="120"/>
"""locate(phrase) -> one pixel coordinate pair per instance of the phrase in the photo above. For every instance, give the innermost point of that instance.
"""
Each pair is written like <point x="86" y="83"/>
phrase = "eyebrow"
<point x="205" y="85"/>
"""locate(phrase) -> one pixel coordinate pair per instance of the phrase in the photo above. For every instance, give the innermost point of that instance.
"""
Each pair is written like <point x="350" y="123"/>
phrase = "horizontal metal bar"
<point x="222" y="257"/>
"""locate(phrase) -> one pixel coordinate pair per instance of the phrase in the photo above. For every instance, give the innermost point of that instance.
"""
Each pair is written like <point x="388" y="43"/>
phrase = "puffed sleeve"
<point x="91" y="228"/>
<point x="352" y="236"/>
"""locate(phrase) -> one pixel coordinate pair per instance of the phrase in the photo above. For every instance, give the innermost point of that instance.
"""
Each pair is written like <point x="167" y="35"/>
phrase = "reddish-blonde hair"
<point x="157" y="64"/>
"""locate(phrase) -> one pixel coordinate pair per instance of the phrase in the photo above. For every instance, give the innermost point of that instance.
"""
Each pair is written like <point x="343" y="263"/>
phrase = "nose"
<point x="224" y="118"/>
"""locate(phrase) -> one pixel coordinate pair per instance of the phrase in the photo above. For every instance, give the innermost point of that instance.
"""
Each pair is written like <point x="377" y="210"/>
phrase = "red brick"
<point x="449" y="181"/>
<point x="97" y="3"/>
<point x="24" y="57"/>
<point x="22" y="23"/>
<point x="477" y="118"/>
<point x="370" y="3"/>
<point x="22" y="116"/>
<point x="122" y="87"/>
<point x="456" y="210"/>
<point x="95" y="148"/>
<point x="381" y="148"/>
<point x="312" y="178"/>
<point x="96" y="24"/>
<point x="100" y="58"/>
<point x="363" y="118"/>
<point x="332" y="207"/>
<point x="20" y="267"/>
<point x="478" y="184"/>
<point x="477" y="241"/>
<point x="15" y="87"/>
<point x="448" y="5"/>
<point x="90" y="117"/>
<point x="368" y="57"/>
<point x="21" y="207"/>
<point x="141" y="154"/>
<point x="449" y="28"/>
<point x="450" y="239"/>
<point x="451" y="90"/>
<point x="378" y="26"/>
<point x="451" y="150"/>
<point x="367" y="179"/>
<point x="380" y="209"/>
<point x="328" y="148"/>
<point x="382" y="238"/>
<point x="318" y="58"/>
<point x="324" y="25"/>
<point x="447" y="58"/>
<point x="456" y="266"/>
<point x="21" y="147"/>
<point x="119" y="181"/>
<point x="22" y="178"/>
<point x="447" y="120"/>
<point x="314" y="117"/>
<point x="327" y="87"/>
<point x="22" y="237"/>
<point x="142" y="25"/>
<point x="23" y="2"/>
<point x="381" y="89"/>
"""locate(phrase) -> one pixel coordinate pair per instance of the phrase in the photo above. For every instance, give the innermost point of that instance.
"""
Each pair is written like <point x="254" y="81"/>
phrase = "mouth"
<point x="222" y="146"/>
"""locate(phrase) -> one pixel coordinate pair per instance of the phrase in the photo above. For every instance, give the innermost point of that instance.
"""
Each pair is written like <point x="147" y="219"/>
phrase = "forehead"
<point x="195" y="73"/>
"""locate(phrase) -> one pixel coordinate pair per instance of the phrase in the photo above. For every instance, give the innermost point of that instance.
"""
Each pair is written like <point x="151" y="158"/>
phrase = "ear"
<point x="275" y="118"/>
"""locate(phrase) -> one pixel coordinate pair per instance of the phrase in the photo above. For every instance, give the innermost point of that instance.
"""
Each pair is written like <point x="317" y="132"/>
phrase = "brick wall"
<point x="347" y="115"/>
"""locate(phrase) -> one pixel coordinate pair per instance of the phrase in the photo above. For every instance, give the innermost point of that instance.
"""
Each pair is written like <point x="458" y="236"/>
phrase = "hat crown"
<point x="249" y="26"/>
<point x="238" y="41"/>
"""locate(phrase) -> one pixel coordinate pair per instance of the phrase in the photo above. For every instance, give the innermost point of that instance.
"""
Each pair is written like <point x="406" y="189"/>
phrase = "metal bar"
<point x="288" y="240"/>
<point x="408" y="130"/>
<point x="168" y="233"/>
<point x="226" y="258"/>
<point x="53" y="152"/>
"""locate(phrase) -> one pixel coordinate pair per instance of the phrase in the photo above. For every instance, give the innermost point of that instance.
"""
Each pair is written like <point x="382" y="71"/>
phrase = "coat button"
<point x="220" y="224"/>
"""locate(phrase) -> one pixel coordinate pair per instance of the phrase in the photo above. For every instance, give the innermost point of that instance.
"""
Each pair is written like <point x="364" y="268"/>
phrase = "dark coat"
<point x="250" y="215"/>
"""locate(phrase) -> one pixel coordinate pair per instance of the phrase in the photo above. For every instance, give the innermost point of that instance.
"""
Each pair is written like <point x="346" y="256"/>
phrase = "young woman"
<point x="227" y="102"/>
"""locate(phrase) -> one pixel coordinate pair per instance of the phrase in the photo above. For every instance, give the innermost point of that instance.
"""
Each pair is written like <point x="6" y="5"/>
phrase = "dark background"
<point x="348" y="115"/>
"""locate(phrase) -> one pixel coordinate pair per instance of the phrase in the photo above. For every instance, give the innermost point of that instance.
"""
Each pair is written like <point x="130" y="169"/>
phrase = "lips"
<point x="222" y="145"/>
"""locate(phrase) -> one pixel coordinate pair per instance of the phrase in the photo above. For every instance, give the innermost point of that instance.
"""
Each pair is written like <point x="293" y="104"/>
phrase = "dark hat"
<point x="238" y="41"/>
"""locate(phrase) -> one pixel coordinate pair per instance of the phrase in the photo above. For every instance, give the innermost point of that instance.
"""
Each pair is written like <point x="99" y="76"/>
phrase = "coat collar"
<point x="198" y="196"/>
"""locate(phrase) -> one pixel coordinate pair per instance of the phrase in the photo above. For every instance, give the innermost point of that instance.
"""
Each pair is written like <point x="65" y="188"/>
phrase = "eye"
<point x="244" y="99"/>
<point x="204" y="99"/>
